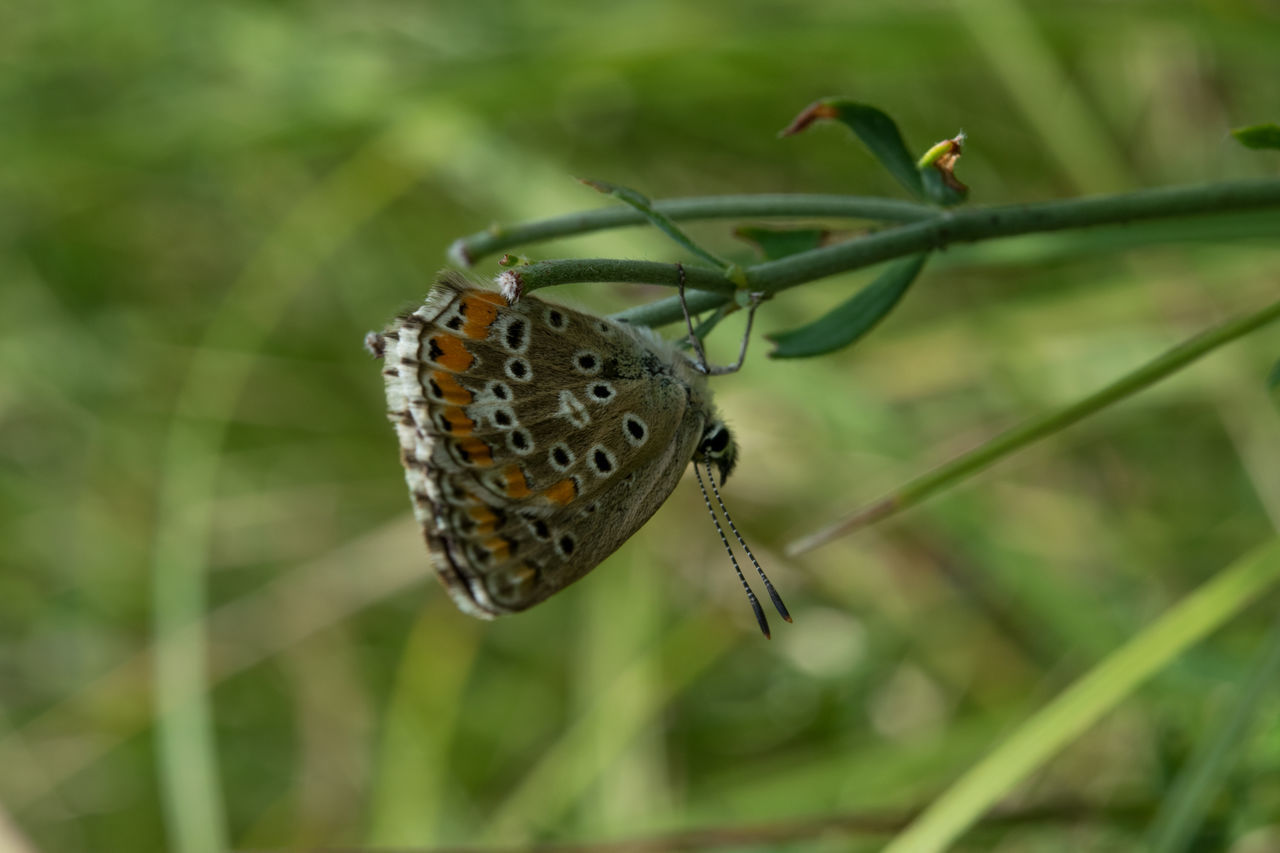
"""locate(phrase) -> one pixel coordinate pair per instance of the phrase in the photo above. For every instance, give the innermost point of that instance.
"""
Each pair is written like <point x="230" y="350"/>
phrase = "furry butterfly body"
<point x="535" y="438"/>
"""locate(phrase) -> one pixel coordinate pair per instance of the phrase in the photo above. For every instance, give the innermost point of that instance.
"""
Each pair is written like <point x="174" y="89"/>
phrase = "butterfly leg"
<point x="756" y="299"/>
<point x="694" y="340"/>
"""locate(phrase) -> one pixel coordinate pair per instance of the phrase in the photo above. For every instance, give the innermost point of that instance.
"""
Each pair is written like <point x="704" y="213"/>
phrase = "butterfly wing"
<point x="536" y="439"/>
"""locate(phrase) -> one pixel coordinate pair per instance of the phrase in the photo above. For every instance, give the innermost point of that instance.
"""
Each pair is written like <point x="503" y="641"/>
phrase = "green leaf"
<point x="775" y="243"/>
<point x="853" y="318"/>
<point x="876" y="130"/>
<point x="662" y="222"/>
<point x="938" y="190"/>
<point x="1258" y="136"/>
<point x="938" y="171"/>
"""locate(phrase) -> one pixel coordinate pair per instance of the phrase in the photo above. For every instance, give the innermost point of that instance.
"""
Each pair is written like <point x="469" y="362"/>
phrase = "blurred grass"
<point x="203" y="208"/>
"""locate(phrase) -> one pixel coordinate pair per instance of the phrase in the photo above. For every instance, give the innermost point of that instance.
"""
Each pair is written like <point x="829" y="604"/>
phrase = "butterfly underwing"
<point x="535" y="438"/>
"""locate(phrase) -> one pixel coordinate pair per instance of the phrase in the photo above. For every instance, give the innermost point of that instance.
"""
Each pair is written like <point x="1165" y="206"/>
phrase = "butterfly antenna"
<point x="751" y="596"/>
<point x="773" y="593"/>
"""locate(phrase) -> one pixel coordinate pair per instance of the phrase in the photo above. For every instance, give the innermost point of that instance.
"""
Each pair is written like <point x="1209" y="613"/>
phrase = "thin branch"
<point x="465" y="251"/>
<point x="942" y="229"/>
<point x="1038" y="428"/>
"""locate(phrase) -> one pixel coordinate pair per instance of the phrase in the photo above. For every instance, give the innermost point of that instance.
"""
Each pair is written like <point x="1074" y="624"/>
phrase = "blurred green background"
<point x="204" y="207"/>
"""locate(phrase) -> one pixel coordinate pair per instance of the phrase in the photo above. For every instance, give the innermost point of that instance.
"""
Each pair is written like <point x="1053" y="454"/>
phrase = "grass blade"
<point x="1036" y="429"/>
<point x="1102" y="689"/>
<point x="1183" y="809"/>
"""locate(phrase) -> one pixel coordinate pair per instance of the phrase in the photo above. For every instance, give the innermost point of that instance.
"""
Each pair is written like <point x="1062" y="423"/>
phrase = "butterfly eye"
<point x="716" y="442"/>
<point x="717" y="446"/>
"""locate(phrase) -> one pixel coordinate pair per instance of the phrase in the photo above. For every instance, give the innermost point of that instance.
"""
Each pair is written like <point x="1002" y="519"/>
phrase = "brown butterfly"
<point x="536" y="439"/>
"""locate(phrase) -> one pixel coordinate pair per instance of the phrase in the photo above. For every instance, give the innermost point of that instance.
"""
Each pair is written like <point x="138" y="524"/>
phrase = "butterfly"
<point x="536" y="438"/>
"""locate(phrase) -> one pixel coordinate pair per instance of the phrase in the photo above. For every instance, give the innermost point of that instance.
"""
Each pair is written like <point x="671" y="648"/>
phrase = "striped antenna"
<point x="773" y="593"/>
<point x="751" y="596"/>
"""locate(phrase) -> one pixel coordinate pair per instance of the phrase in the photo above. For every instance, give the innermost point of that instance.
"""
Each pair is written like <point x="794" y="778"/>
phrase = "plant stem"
<point x="942" y="229"/>
<point x="467" y="250"/>
<point x="1015" y="439"/>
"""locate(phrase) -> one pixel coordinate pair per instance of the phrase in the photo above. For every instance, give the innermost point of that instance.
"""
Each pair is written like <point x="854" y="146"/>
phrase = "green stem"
<point x="465" y="251"/>
<point x="1019" y="437"/>
<point x="642" y="205"/>
<point x="940" y="230"/>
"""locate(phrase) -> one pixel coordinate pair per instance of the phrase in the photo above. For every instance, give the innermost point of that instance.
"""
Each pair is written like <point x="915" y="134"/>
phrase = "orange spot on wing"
<point x="456" y="418"/>
<point x="452" y="354"/>
<point x="477" y="452"/>
<point x="480" y="314"/>
<point x="562" y="492"/>
<point x="490" y="296"/>
<point x="450" y="390"/>
<point x="517" y="486"/>
<point x="486" y="521"/>
<point x="498" y="547"/>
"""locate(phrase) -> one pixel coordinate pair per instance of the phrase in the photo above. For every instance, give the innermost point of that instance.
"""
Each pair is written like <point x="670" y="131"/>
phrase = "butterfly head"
<point x="718" y="448"/>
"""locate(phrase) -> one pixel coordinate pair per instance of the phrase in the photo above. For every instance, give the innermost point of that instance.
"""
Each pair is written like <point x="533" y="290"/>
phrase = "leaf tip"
<point x="1258" y="136"/>
<point x="817" y="110"/>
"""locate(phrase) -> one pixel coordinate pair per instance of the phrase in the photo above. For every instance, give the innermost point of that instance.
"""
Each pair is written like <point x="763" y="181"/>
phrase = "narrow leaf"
<point x="1183" y="809"/>
<point x="1258" y="136"/>
<point x="853" y="318"/>
<point x="876" y="130"/>
<point x="659" y="220"/>
<point x="1048" y="731"/>
<point x="775" y="243"/>
<point x="941" y="187"/>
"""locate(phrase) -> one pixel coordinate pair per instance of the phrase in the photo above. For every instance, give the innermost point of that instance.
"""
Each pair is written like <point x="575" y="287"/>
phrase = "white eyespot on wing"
<point x="496" y="390"/>
<point x="634" y="429"/>
<point x="565" y="544"/>
<point x="503" y="417"/>
<point x="518" y="369"/>
<point x="520" y="442"/>
<point x="561" y="457"/>
<point x="555" y="319"/>
<point x="514" y="585"/>
<point x="512" y="333"/>
<point x="538" y="527"/>
<point x="454" y="318"/>
<point x="601" y="392"/>
<point x="601" y="461"/>
<point x="587" y="362"/>
<point x="572" y="409"/>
